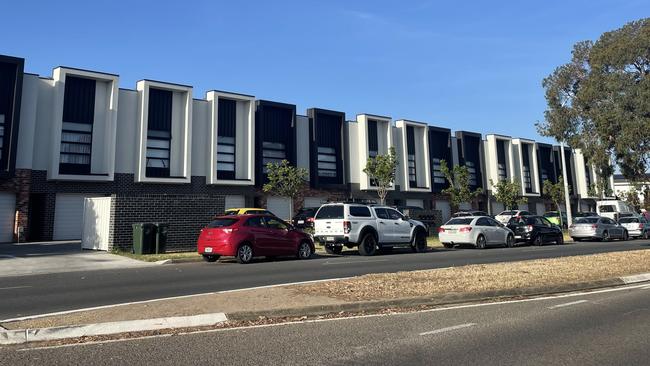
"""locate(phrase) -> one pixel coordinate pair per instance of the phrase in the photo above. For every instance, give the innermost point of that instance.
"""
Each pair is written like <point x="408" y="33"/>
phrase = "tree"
<point x="632" y="198"/>
<point x="555" y="193"/>
<point x="508" y="193"/>
<point x="381" y="171"/>
<point x="459" y="189"/>
<point x="598" y="102"/>
<point x="285" y="180"/>
<point x="646" y="198"/>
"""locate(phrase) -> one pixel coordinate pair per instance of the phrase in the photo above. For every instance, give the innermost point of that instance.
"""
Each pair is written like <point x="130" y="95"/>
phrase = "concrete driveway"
<point x="56" y="257"/>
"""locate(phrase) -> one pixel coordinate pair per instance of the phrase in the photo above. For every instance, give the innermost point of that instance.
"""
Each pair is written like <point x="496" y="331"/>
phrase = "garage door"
<point x="235" y="201"/>
<point x="279" y="206"/>
<point x="415" y="203"/>
<point x="523" y="207"/>
<point x="314" y="201"/>
<point x="68" y="216"/>
<point x="7" y="216"/>
<point x="445" y="208"/>
<point x="540" y="208"/>
<point x="497" y="208"/>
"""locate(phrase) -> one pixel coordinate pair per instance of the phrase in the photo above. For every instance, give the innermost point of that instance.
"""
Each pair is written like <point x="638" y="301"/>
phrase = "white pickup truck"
<point x="370" y="228"/>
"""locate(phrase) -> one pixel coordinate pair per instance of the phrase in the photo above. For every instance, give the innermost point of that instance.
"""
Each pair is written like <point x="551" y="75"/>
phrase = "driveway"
<point x="56" y="257"/>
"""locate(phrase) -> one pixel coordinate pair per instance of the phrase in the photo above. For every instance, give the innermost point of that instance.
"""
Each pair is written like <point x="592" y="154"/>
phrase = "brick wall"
<point x="19" y="185"/>
<point x="186" y="214"/>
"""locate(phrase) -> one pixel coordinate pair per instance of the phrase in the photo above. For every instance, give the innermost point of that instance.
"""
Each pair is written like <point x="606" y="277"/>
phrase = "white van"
<point x="613" y="209"/>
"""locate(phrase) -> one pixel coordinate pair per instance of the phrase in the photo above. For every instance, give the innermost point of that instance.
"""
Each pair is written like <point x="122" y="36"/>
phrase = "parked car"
<point x="505" y="216"/>
<point x="479" y="231"/>
<point x="248" y="236"/>
<point x="469" y="213"/>
<point x="537" y="230"/>
<point x="305" y="218"/>
<point x="554" y="218"/>
<point x="602" y="228"/>
<point x="637" y="227"/>
<point x="247" y="211"/>
<point x="613" y="208"/>
<point x="367" y="227"/>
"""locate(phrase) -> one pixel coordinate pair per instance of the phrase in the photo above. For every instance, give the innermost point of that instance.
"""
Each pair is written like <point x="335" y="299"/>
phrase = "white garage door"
<point x="235" y="201"/>
<point x="279" y="206"/>
<point x="313" y="202"/>
<point x="523" y="207"/>
<point x="68" y="216"/>
<point x="497" y="208"/>
<point x="445" y="208"/>
<point x="540" y="208"/>
<point x="7" y="216"/>
<point x="415" y="203"/>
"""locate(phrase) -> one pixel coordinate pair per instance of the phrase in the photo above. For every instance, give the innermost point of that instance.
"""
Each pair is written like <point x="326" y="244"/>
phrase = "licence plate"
<point x="208" y="250"/>
<point x="301" y="221"/>
<point x="329" y="238"/>
<point x="517" y="236"/>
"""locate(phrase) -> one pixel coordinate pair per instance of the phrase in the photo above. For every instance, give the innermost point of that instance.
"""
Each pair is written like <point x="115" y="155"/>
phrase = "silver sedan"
<point x="600" y="228"/>
<point x="478" y="231"/>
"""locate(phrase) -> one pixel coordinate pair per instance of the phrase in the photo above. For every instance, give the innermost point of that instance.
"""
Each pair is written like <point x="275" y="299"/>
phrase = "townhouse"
<point x="163" y="155"/>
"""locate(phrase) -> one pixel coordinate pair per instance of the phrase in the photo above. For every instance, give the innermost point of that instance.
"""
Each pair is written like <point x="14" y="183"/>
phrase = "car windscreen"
<point x="330" y="212"/>
<point x="460" y="221"/>
<point x="628" y="220"/>
<point x="607" y="208"/>
<point x="551" y="214"/>
<point x="221" y="223"/>
<point x="587" y="220"/>
<point x="231" y="213"/>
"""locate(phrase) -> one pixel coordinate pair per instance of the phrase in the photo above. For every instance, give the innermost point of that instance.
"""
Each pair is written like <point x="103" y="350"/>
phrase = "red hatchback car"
<point x="248" y="236"/>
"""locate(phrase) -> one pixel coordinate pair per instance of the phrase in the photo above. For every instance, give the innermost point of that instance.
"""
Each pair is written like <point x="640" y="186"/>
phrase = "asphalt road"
<point x="606" y="328"/>
<point x="38" y="294"/>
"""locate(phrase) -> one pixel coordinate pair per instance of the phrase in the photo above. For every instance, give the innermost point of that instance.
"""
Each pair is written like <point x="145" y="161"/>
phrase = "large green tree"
<point x="459" y="190"/>
<point x="381" y="171"/>
<point x="285" y="180"/>
<point x="508" y="193"/>
<point x="600" y="101"/>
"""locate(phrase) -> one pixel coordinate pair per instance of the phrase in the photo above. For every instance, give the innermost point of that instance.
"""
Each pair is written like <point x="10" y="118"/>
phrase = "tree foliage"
<point x="631" y="196"/>
<point x="285" y="180"/>
<point x="381" y="171"/>
<point x="555" y="193"/>
<point x="459" y="190"/>
<point x="508" y="193"/>
<point x="600" y="101"/>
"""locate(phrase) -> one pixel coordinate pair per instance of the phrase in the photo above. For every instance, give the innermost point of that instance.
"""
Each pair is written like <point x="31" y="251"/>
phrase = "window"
<point x="326" y="162"/>
<point x="544" y="174"/>
<point x="273" y="223"/>
<point x="410" y="142"/>
<point x="483" y="222"/>
<point x="373" y="140"/>
<point x="2" y="133"/>
<point x="381" y="213"/>
<point x="460" y="221"/>
<point x="272" y="152"/>
<point x="628" y="220"/>
<point x="359" y="211"/>
<point x="77" y="127"/>
<point x="255" y="222"/>
<point x="257" y="212"/>
<point x="502" y="171"/>
<point x="330" y="212"/>
<point x="528" y="186"/>
<point x="394" y="214"/>
<point x="471" y="169"/>
<point x="546" y="222"/>
<point x="159" y="133"/>
<point x="221" y="223"/>
<point x="607" y="208"/>
<point x="587" y="220"/>
<point x="501" y="160"/>
<point x="226" y="135"/>
<point x="438" y="177"/>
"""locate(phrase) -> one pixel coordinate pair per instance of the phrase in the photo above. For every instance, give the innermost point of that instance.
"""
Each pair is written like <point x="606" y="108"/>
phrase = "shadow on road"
<point x="44" y="249"/>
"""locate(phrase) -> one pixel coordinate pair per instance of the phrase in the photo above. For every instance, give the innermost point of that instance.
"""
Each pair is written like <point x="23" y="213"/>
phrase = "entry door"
<point x="7" y="217"/>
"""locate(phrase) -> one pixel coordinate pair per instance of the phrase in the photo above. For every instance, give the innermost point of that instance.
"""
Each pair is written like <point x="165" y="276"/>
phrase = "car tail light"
<point x="640" y="226"/>
<point x="347" y="226"/>
<point x="529" y="228"/>
<point x="310" y="219"/>
<point x="465" y="229"/>
<point x="441" y="229"/>
<point x="594" y="226"/>
<point x="228" y="231"/>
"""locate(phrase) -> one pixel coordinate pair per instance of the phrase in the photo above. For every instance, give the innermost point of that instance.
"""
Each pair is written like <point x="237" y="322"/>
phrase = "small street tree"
<point x="555" y="193"/>
<point x="508" y="193"/>
<point x="285" y="180"/>
<point x="459" y="190"/>
<point x="381" y="171"/>
<point x="631" y="197"/>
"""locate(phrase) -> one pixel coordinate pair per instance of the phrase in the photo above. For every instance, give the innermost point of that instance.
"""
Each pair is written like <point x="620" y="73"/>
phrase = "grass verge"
<point x="484" y="277"/>
<point x="159" y="257"/>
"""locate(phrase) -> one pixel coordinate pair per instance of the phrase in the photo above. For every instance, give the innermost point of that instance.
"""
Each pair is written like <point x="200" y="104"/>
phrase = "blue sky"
<point x="466" y="65"/>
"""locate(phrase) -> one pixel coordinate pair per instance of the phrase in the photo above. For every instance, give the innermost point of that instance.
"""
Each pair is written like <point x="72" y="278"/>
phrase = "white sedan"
<point x="479" y="231"/>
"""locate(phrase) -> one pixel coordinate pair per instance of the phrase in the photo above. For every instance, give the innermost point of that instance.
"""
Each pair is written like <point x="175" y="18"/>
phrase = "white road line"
<point x="645" y="287"/>
<point x="442" y="330"/>
<point x="14" y="287"/>
<point x="567" y="304"/>
<point x="355" y="262"/>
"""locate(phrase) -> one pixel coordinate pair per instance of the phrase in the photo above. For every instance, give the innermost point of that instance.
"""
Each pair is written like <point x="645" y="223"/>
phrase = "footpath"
<point x="369" y="294"/>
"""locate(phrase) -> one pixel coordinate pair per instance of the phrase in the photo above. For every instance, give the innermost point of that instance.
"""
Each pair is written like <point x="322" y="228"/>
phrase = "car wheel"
<point x="605" y="236"/>
<point x="420" y="242"/>
<point x="244" y="253"/>
<point x="625" y="236"/>
<point x="645" y="235"/>
<point x="210" y="257"/>
<point x="559" y="240"/>
<point x="333" y="249"/>
<point x="480" y="242"/>
<point x="510" y="241"/>
<point x="368" y="245"/>
<point x="304" y="250"/>
<point x="538" y="241"/>
<point x="448" y="245"/>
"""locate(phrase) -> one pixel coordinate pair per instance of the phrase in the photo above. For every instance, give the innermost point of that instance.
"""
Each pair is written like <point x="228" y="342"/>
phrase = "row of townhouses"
<point x="164" y="156"/>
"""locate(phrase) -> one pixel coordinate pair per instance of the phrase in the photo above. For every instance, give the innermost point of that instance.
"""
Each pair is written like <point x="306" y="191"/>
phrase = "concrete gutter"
<point x="56" y="333"/>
